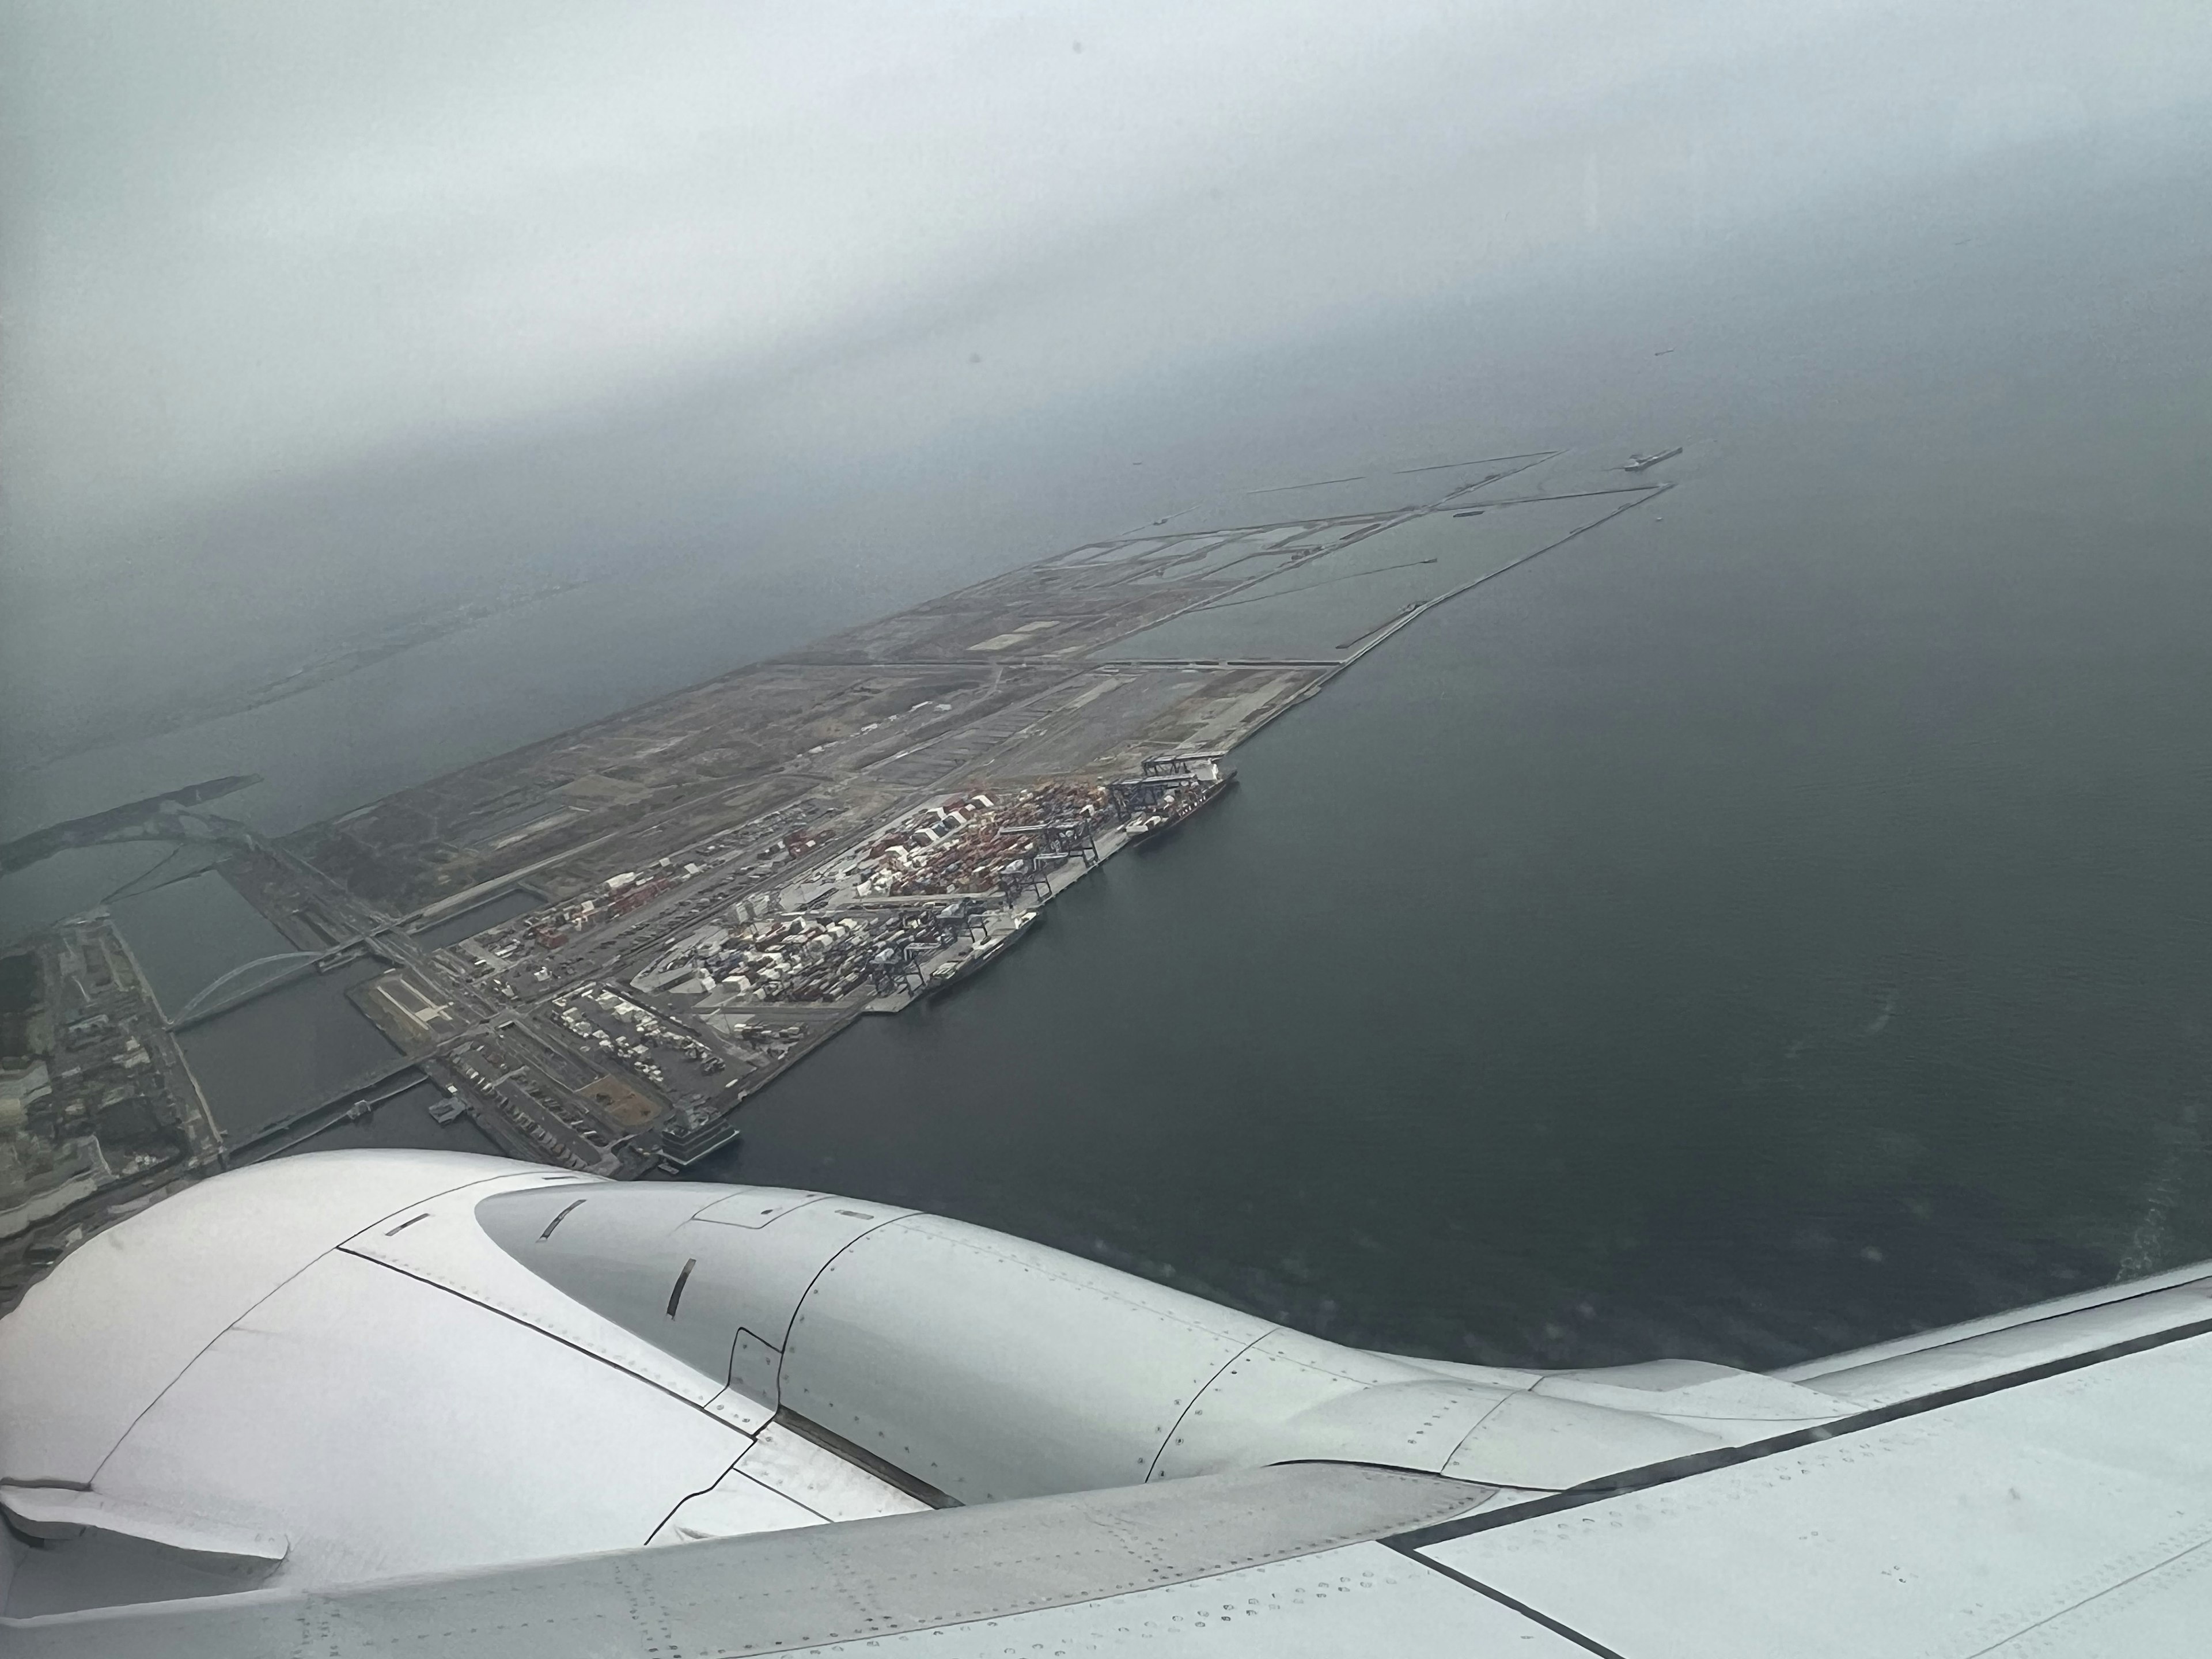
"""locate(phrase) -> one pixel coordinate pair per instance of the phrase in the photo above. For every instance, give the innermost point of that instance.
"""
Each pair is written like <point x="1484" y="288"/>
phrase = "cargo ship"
<point x="1171" y="812"/>
<point x="946" y="975"/>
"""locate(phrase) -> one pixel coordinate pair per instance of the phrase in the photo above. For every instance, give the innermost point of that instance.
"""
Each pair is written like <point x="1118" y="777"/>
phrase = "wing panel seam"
<point x="201" y="1353"/>
<point x="1679" y="1468"/>
<point x="1587" y="1643"/>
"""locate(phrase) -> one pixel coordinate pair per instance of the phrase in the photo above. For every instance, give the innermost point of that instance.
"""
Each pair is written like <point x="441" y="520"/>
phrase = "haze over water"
<point x="1777" y="920"/>
<point x="1773" y="922"/>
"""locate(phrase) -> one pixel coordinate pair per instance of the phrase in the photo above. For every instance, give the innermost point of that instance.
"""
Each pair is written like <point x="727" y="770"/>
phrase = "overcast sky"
<point x="311" y="315"/>
<point x="247" y="243"/>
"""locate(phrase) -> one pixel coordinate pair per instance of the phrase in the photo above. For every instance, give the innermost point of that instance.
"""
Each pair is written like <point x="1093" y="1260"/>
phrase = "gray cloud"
<point x="326" y="312"/>
<point x="249" y="241"/>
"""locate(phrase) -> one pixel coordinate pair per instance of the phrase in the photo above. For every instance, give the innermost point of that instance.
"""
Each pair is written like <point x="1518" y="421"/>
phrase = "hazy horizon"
<point x="319" y="324"/>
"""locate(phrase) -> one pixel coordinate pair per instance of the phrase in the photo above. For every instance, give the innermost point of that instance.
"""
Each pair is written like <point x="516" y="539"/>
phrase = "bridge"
<point x="359" y="1096"/>
<point x="209" y="999"/>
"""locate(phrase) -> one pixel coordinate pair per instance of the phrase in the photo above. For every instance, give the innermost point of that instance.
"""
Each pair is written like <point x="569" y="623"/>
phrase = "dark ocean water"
<point x="1741" y="940"/>
<point x="1779" y="920"/>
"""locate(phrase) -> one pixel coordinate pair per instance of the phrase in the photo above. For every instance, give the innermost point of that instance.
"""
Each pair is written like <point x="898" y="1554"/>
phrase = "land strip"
<point x="688" y="897"/>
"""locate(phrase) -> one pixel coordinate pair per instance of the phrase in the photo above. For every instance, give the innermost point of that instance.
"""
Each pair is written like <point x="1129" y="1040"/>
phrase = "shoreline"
<point x="723" y="879"/>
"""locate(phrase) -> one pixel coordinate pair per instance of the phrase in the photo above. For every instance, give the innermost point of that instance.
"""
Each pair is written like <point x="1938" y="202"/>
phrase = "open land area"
<point x="598" y="946"/>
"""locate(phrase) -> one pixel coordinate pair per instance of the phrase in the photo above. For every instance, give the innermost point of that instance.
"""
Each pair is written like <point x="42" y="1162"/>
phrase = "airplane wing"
<point x="367" y="1403"/>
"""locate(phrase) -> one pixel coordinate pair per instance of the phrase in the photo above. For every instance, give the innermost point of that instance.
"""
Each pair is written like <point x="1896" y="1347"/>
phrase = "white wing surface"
<point x="375" y="1403"/>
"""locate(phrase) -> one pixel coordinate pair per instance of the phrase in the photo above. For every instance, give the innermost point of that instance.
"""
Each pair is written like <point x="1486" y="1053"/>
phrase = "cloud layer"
<point x="251" y="243"/>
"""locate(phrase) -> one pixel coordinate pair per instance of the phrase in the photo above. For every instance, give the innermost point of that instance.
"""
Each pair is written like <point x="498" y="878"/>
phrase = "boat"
<point x="945" y="975"/>
<point x="1148" y="825"/>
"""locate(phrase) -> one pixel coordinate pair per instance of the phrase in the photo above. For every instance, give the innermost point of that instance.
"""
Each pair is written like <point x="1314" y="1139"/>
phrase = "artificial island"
<point x="598" y="946"/>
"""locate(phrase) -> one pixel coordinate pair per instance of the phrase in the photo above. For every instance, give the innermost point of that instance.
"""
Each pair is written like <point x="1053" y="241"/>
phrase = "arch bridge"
<point x="211" y="999"/>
